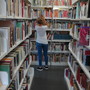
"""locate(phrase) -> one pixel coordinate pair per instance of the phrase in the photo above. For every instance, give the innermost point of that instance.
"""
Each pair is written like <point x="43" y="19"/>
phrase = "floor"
<point x="52" y="79"/>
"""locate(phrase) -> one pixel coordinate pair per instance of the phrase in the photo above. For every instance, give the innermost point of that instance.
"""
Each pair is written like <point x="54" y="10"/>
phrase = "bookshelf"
<point x="56" y="24"/>
<point x="15" y="32"/>
<point x="78" y="57"/>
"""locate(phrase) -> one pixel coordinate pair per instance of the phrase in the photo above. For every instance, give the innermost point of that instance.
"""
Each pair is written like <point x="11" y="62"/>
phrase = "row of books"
<point x="81" y="32"/>
<point x="60" y="13"/>
<point x="54" y="57"/>
<point x="61" y="36"/>
<point x="58" y="46"/>
<point x="55" y="36"/>
<point x="42" y="3"/>
<point x="82" y="54"/>
<point x="11" y="32"/>
<point x="53" y="46"/>
<point x="73" y="63"/>
<point x="79" y="74"/>
<point x="61" y="25"/>
<point x="47" y="12"/>
<point x="80" y="10"/>
<point x="9" y="64"/>
<point x="56" y="25"/>
<point x="14" y="85"/>
<point x="26" y="82"/>
<point x="70" y="77"/>
<point x="50" y="2"/>
<point x="59" y="57"/>
<point x="15" y="8"/>
<point x="62" y="2"/>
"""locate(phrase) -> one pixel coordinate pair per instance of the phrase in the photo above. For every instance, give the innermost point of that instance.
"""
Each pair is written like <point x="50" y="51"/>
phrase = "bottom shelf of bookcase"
<point x="74" y="76"/>
<point x="24" y="77"/>
<point x="67" y="82"/>
<point x="51" y="63"/>
<point x="31" y="77"/>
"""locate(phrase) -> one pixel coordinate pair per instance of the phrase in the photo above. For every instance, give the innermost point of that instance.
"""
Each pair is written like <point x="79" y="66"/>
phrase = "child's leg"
<point x="39" y="49"/>
<point x="45" y="52"/>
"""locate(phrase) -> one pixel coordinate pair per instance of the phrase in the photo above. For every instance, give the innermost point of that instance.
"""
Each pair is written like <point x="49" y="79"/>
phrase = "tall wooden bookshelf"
<point x="15" y="45"/>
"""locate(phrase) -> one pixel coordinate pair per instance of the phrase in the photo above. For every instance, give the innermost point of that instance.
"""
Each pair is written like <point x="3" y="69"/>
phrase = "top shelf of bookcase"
<point x="54" y="7"/>
<point x="61" y="7"/>
<point x="14" y="18"/>
<point x="41" y="7"/>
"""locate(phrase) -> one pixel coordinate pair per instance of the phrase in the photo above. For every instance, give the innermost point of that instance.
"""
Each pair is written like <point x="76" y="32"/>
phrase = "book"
<point x="10" y="25"/>
<point x="3" y="12"/>
<point x="4" y="78"/>
<point x="5" y="39"/>
<point x="56" y="13"/>
<point x="78" y="10"/>
<point x="6" y="68"/>
<point x="16" y="2"/>
<point x="84" y="32"/>
<point x="15" y="8"/>
<point x="86" y="57"/>
<point x="19" y="32"/>
<point x="84" y="9"/>
<point x="8" y="8"/>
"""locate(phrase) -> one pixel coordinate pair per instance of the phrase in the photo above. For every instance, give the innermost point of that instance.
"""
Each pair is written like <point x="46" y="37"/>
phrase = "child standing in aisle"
<point x="42" y="42"/>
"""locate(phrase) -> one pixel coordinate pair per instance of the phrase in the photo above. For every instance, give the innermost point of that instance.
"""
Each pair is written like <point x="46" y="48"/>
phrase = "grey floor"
<point x="53" y="79"/>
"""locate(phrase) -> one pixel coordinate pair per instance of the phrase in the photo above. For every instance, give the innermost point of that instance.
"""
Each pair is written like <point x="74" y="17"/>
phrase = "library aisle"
<point x="51" y="79"/>
<point x="67" y="36"/>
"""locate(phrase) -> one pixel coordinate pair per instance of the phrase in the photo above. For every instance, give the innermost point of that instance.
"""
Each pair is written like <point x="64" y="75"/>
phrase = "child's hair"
<point x="41" y="20"/>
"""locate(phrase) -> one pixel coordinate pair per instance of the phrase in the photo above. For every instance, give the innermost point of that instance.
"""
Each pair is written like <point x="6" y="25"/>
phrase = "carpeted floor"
<point x="52" y="79"/>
